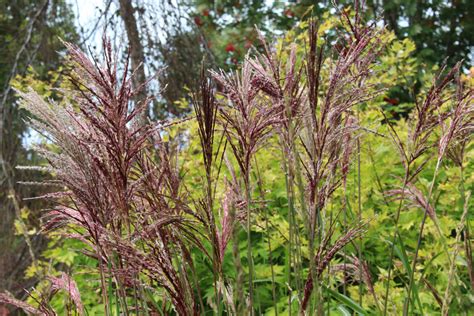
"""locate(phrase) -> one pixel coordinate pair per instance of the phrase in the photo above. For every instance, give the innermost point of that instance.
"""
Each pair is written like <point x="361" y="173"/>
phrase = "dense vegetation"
<point x="328" y="173"/>
<point x="30" y="33"/>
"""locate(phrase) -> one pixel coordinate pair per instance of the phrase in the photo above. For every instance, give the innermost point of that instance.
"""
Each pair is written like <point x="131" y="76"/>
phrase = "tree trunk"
<point x="390" y="15"/>
<point x="136" y="52"/>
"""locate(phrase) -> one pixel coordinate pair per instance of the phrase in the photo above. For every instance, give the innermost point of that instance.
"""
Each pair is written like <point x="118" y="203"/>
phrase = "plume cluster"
<point x="123" y="193"/>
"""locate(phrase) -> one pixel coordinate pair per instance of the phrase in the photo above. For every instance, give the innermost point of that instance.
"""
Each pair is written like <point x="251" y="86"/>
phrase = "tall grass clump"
<point x="166" y="238"/>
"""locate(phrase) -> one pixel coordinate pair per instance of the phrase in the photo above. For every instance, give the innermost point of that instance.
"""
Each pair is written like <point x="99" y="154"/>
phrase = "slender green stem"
<point x="240" y="301"/>
<point x="359" y="214"/>
<point x="290" y="224"/>
<point x="269" y="242"/>
<point x="249" y="240"/>
<point x="344" y="201"/>
<point x="270" y="259"/>
<point x="452" y="267"/>
<point x="392" y="245"/>
<point x="105" y="290"/>
<point x="296" y="175"/>
<point x="467" y="240"/>
<point x="420" y="237"/>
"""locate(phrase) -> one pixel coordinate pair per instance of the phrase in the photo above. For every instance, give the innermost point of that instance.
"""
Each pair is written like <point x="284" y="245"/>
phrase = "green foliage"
<point x="30" y="33"/>
<point x="380" y="169"/>
<point x="439" y="29"/>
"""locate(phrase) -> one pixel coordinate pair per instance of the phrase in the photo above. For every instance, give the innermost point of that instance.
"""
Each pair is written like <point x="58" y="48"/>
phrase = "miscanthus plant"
<point x="166" y="240"/>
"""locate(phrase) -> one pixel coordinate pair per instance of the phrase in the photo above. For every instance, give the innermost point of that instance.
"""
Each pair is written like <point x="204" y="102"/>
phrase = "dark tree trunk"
<point x="450" y="46"/>
<point x="136" y="51"/>
<point x="390" y="15"/>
